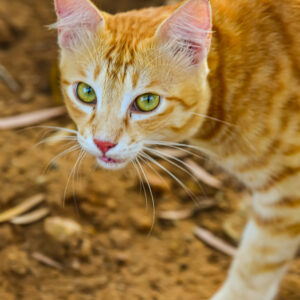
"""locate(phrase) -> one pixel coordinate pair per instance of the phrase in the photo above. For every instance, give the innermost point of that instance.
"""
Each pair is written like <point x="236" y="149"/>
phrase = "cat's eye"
<point x="147" y="102"/>
<point x="86" y="93"/>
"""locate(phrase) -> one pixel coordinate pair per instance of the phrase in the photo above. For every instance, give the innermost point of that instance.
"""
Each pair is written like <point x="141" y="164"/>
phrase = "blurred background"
<point x="83" y="233"/>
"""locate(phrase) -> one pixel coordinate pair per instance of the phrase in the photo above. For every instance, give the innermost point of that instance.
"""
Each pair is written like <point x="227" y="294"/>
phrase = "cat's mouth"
<point x="110" y="160"/>
<point x="111" y="163"/>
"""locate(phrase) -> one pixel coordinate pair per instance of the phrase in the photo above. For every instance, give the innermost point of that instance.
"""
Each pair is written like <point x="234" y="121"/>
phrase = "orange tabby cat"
<point x="226" y="75"/>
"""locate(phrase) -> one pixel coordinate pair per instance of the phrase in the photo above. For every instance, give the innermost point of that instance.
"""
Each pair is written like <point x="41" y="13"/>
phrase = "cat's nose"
<point x="104" y="146"/>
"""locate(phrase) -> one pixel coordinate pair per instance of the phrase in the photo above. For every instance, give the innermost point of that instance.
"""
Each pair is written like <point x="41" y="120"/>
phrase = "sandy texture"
<point x="97" y="244"/>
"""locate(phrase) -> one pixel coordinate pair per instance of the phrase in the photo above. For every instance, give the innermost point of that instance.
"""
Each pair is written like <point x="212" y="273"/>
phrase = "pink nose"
<point x="104" y="146"/>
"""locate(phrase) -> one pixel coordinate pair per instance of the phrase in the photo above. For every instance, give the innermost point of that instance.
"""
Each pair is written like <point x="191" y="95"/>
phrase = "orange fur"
<point x="244" y="112"/>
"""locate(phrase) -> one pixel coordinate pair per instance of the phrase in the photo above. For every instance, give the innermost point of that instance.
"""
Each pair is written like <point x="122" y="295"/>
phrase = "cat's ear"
<point x="188" y="30"/>
<point x="75" y="19"/>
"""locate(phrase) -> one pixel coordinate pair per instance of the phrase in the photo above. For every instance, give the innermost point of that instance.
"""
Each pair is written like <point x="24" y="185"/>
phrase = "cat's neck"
<point x="221" y="131"/>
<point x="218" y="117"/>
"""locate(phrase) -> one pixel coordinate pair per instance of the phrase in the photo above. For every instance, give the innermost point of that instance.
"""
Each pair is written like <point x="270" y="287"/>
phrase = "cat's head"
<point x="133" y="79"/>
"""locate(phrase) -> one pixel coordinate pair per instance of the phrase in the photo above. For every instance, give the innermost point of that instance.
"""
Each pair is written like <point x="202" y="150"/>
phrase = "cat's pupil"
<point x="88" y="90"/>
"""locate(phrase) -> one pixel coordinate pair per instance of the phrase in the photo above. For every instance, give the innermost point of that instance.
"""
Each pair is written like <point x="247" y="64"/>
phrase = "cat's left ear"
<point x="188" y="30"/>
<point x="76" y="18"/>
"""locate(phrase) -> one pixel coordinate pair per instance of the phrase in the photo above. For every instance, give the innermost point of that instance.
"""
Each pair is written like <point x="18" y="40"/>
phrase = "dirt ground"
<point x="111" y="252"/>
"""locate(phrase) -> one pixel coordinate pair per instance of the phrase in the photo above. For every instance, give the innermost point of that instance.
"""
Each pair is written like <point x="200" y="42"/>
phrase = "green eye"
<point x="86" y="93"/>
<point x="147" y="102"/>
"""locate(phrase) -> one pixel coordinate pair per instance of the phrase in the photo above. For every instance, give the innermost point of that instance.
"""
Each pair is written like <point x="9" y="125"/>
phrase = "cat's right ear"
<point x="76" y="19"/>
<point x="187" y="32"/>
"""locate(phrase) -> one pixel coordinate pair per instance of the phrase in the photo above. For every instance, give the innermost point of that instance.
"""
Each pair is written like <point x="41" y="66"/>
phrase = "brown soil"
<point x="113" y="256"/>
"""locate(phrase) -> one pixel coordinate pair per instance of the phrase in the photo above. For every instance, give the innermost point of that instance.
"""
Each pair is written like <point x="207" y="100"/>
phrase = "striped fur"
<point x="250" y="83"/>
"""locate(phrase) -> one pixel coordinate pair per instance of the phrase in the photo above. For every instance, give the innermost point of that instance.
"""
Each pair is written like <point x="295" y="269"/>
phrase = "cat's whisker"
<point x="187" y="190"/>
<point x="152" y="168"/>
<point x="65" y="152"/>
<point x="151" y="194"/>
<point x="142" y="185"/>
<point x="170" y="144"/>
<point x="76" y="177"/>
<point x="55" y="139"/>
<point x="56" y="128"/>
<point x="70" y="177"/>
<point x="178" y="148"/>
<point x="214" y="119"/>
<point x="234" y="128"/>
<point x="169" y="159"/>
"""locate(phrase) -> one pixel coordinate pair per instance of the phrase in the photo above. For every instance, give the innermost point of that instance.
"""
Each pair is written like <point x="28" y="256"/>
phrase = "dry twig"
<point x="21" y="208"/>
<point x="213" y="241"/>
<point x="46" y="260"/>
<point x="31" y="118"/>
<point x="203" y="175"/>
<point x="8" y="79"/>
<point x="173" y="215"/>
<point x="31" y="217"/>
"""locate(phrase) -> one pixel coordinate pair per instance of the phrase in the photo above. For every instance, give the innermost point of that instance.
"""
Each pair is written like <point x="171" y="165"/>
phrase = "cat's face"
<point x="128" y="82"/>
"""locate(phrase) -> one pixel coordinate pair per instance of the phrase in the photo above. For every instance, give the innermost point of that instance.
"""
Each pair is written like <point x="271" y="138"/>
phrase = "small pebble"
<point x="6" y="36"/>
<point x="62" y="229"/>
<point x="120" y="238"/>
<point x="6" y="235"/>
<point x="121" y="257"/>
<point x="141" y="220"/>
<point x="16" y="261"/>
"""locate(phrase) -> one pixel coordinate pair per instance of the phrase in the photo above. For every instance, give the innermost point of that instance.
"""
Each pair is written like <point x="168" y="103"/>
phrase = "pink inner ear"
<point x="65" y="8"/>
<point x="190" y="25"/>
<point x="74" y="15"/>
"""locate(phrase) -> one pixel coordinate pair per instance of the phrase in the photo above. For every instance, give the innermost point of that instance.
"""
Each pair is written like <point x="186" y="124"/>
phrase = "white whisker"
<point x="70" y="176"/>
<point x="151" y="194"/>
<point x="166" y="157"/>
<point x="65" y="152"/>
<point x="187" y="190"/>
<point x="56" y="128"/>
<point x="142" y="185"/>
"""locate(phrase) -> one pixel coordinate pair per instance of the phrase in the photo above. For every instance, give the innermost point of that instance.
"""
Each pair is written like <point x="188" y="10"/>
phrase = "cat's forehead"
<point x="137" y="24"/>
<point x="117" y="49"/>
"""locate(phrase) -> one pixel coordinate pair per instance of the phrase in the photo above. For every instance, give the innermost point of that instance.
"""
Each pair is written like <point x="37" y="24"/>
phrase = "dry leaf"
<point x="174" y="215"/>
<point x="214" y="242"/>
<point x="31" y="118"/>
<point x="47" y="260"/>
<point x="157" y="181"/>
<point x="21" y="208"/>
<point x="202" y="174"/>
<point x="32" y="217"/>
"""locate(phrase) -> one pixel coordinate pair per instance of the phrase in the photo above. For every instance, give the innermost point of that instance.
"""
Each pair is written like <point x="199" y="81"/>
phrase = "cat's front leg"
<point x="269" y="243"/>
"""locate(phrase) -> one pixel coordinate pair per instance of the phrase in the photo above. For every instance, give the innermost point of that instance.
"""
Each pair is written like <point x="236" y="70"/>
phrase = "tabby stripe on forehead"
<point x="82" y="73"/>
<point x="97" y="72"/>
<point x="135" y="79"/>
<point x="124" y="73"/>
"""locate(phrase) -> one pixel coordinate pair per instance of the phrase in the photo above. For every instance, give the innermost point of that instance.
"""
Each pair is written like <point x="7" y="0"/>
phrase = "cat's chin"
<point x="112" y="165"/>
